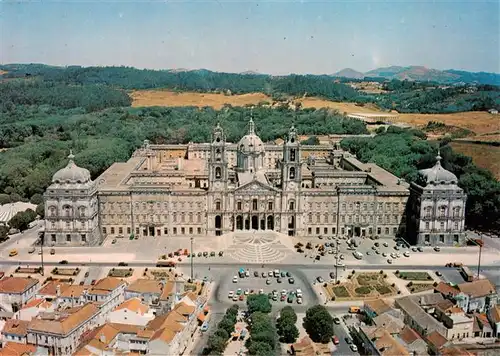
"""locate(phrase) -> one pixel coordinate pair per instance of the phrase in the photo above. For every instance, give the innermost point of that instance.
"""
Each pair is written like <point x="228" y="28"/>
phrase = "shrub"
<point x="381" y="272"/>
<point x="397" y="272"/>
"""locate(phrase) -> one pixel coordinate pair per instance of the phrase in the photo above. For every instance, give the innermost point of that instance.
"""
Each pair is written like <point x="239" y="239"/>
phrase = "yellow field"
<point x="217" y="101"/>
<point x="484" y="156"/>
<point x="478" y="122"/>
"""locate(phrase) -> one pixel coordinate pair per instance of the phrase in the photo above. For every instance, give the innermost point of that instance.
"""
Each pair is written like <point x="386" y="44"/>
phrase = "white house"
<point x="16" y="291"/>
<point x="132" y="312"/>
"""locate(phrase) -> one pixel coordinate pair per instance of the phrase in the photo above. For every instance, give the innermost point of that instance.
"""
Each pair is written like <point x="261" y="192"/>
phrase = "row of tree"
<point x="403" y="152"/>
<point x="218" y="340"/>
<point x="263" y="339"/>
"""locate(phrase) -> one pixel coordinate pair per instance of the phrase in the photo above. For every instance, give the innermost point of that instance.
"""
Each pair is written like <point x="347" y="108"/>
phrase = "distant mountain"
<point x="349" y="73"/>
<point x="420" y="73"/>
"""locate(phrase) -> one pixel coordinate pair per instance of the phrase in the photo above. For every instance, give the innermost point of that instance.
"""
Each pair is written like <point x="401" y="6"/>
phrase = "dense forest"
<point x="45" y="111"/>
<point x="403" y="96"/>
<point x="403" y="152"/>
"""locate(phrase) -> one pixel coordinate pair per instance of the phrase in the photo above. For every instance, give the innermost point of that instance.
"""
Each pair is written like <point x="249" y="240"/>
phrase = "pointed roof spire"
<point x="71" y="157"/>
<point x="251" y="126"/>
<point x="438" y="157"/>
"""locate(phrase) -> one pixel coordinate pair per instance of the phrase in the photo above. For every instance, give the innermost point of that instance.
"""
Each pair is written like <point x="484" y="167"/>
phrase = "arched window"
<point x="310" y="218"/>
<point x="292" y="155"/>
<point x="190" y="217"/>
<point x="255" y="204"/>
<point x="292" y="173"/>
<point x="318" y="217"/>
<point x="291" y="205"/>
<point x="217" y="205"/>
<point x="428" y="212"/>
<point x="218" y="172"/>
<point x="67" y="211"/>
<point x="198" y="217"/>
<point x="82" y="211"/>
<point x="456" y="212"/>
<point x="52" y="211"/>
<point x="442" y="211"/>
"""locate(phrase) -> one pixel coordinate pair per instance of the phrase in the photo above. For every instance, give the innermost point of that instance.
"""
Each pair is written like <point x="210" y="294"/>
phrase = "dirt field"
<point x="169" y="98"/>
<point x="484" y="138"/>
<point x="479" y="122"/>
<point x="484" y="156"/>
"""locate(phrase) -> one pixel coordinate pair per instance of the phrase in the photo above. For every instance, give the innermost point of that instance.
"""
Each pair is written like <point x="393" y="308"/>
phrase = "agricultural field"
<point x="170" y="98"/>
<point x="484" y="156"/>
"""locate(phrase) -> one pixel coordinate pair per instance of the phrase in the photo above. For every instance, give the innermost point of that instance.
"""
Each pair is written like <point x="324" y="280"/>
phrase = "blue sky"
<point x="275" y="37"/>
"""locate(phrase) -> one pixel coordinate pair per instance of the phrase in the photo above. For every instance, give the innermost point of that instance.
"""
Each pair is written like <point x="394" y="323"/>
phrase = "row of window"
<point x="176" y="217"/>
<point x="150" y="205"/>
<point x="69" y="238"/>
<point x="441" y="239"/>
<point x="343" y="230"/>
<point x="442" y="212"/>
<point x="152" y="231"/>
<point x="82" y="225"/>
<point x="67" y="211"/>
<point x="442" y="226"/>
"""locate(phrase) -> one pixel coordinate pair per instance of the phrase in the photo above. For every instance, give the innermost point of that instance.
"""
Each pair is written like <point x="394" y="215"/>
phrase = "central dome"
<point x="251" y="143"/>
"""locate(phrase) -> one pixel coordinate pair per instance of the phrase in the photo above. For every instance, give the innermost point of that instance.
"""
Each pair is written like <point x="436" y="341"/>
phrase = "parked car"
<point x="205" y="254"/>
<point x="332" y="275"/>
<point x="13" y="253"/>
<point x="299" y="300"/>
<point x="268" y="281"/>
<point x="354" y="348"/>
<point x="291" y="280"/>
<point x="212" y="254"/>
<point x="386" y="244"/>
<point x="221" y="253"/>
<point x="437" y="248"/>
<point x="63" y="262"/>
<point x="31" y="250"/>
<point x="113" y="241"/>
<point x="230" y="294"/>
<point x="278" y="280"/>
<point x="235" y="279"/>
<point x="264" y="274"/>
<point x="335" y="340"/>
<point x="439" y="274"/>
<point x="406" y="254"/>
<point x="420" y="249"/>
<point x="256" y="274"/>
<point x="336" y="320"/>
<point x="52" y="251"/>
<point x="320" y="279"/>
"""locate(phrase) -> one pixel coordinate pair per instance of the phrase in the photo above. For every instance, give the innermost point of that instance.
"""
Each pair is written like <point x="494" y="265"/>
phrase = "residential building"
<point x="476" y="296"/>
<point x="15" y="330"/>
<point x="61" y="331"/>
<point x="412" y="341"/>
<point x="34" y="307"/>
<point x="494" y="318"/>
<point x="436" y="342"/>
<point x="375" y="307"/>
<point x="148" y="290"/>
<point x="482" y="326"/>
<point x="16" y="349"/>
<point x="419" y="318"/>
<point x="132" y="312"/>
<point x="108" y="292"/>
<point x="379" y="341"/>
<point x="16" y="291"/>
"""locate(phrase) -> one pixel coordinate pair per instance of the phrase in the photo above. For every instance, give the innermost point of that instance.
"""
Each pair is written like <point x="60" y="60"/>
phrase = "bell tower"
<point x="218" y="166"/>
<point x="290" y="166"/>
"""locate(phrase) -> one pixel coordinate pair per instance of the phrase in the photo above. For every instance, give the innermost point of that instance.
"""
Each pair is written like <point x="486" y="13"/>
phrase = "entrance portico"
<point x="254" y="222"/>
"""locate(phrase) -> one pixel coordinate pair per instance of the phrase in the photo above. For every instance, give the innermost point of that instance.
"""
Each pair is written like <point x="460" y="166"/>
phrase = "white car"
<point x="406" y="254"/>
<point x="298" y="293"/>
<point x="384" y="254"/>
<point x="284" y="292"/>
<point x="261" y="291"/>
<point x="235" y="298"/>
<point x="341" y="256"/>
<point x="247" y="292"/>
<point x="354" y="348"/>
<point x="247" y="273"/>
<point x="235" y="279"/>
<point x="231" y="294"/>
<point x="270" y="273"/>
<point x="389" y="261"/>
<point x="386" y="244"/>
<point x="299" y="300"/>
<point x="340" y="264"/>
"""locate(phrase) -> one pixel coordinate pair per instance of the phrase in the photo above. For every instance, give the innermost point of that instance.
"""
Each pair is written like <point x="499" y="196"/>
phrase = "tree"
<point x="216" y="344"/>
<point x="3" y="233"/>
<point x="4" y="199"/>
<point x="260" y="348"/>
<point x="40" y="210"/>
<point x="318" y="324"/>
<point x="258" y="303"/>
<point x="286" y="325"/>
<point x="36" y="199"/>
<point x="22" y="219"/>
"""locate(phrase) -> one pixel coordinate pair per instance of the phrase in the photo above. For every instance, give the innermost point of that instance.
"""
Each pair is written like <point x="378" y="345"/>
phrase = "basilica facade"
<point x="219" y="187"/>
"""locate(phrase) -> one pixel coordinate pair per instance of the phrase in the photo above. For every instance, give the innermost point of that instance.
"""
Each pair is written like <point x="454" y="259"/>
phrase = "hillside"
<point x="349" y="73"/>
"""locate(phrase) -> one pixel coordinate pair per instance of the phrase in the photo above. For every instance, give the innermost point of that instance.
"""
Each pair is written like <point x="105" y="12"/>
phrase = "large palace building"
<point x="218" y="187"/>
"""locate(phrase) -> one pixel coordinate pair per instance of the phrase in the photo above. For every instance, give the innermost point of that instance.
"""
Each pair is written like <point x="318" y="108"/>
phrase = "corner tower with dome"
<point x="71" y="208"/>
<point x="436" y="208"/>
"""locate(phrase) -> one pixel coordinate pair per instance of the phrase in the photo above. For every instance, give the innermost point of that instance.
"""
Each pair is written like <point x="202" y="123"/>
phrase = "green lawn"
<point x="340" y="292"/>
<point x="414" y="276"/>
